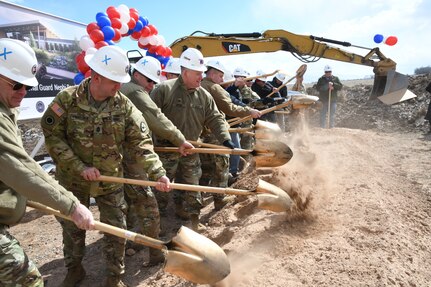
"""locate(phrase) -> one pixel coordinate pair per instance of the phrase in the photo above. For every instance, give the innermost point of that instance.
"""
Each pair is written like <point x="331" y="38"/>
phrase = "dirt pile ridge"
<point x="361" y="217"/>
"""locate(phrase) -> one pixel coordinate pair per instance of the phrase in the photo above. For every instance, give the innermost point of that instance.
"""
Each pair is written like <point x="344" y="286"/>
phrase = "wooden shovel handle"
<point x="180" y="186"/>
<point x="196" y="143"/>
<point x="206" y="150"/>
<point x="265" y="111"/>
<point x="113" y="230"/>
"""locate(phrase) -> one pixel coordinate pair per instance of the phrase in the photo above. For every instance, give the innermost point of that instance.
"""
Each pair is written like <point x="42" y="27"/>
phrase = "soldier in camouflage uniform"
<point x="242" y="91"/>
<point x="190" y="108"/>
<point x="88" y="129"/>
<point x="143" y="214"/>
<point x="215" y="167"/>
<point x="21" y="178"/>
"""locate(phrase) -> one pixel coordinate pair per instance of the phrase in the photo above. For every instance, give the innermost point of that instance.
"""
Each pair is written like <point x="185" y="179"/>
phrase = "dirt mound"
<point x="361" y="214"/>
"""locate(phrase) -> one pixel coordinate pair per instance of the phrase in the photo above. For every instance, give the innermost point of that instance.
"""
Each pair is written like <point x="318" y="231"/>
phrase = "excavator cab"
<point x="389" y="86"/>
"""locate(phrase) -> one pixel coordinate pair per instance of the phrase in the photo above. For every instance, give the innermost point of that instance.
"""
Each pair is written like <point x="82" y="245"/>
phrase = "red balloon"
<point x="133" y="10"/>
<point x="160" y="50"/>
<point x="153" y="29"/>
<point x="117" y="36"/>
<point x="134" y="15"/>
<point x="92" y="26"/>
<point x="83" y="67"/>
<point x="168" y="52"/>
<point x="79" y="57"/>
<point x="112" y="12"/>
<point x="135" y="35"/>
<point x="152" y="49"/>
<point x="97" y="35"/>
<point x="116" y="23"/>
<point x="100" y="44"/>
<point x="391" y="40"/>
<point x="146" y="31"/>
<point x="141" y="46"/>
<point x="131" y="23"/>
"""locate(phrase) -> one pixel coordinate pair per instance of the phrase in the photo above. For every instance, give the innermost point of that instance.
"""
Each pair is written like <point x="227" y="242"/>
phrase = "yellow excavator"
<point x="389" y="86"/>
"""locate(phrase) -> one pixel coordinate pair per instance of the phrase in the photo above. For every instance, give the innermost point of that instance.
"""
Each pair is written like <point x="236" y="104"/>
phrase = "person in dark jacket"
<point x="328" y="85"/>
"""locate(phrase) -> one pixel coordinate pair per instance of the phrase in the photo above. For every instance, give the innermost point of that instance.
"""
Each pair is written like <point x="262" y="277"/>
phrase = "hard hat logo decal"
<point x="106" y="59"/>
<point x="144" y="62"/>
<point x="4" y="54"/>
<point x="33" y="69"/>
<point x="158" y="72"/>
<point x="201" y="61"/>
<point x="127" y="69"/>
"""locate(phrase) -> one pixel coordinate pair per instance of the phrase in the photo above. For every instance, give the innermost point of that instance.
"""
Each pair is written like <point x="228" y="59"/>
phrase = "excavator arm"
<point x="387" y="82"/>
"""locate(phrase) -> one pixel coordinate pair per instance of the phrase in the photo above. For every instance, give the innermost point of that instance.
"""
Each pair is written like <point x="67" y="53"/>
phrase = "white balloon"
<point x="153" y="40"/>
<point x="90" y="51"/>
<point x="85" y="43"/>
<point x="123" y="8"/>
<point x="124" y="28"/>
<point x="161" y="40"/>
<point x="125" y="17"/>
<point x="144" y="41"/>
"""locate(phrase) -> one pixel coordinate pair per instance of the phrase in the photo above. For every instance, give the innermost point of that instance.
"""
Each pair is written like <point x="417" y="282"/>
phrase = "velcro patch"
<point x="59" y="111"/>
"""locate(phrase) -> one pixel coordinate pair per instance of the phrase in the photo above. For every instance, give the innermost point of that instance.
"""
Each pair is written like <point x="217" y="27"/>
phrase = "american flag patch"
<point x="57" y="109"/>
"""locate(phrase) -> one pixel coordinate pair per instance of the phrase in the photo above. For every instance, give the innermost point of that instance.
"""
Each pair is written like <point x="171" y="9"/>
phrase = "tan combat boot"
<point x="180" y="212"/>
<point x="195" y="225"/>
<point x="219" y="203"/>
<point x="156" y="257"/>
<point x="74" y="276"/>
<point x="113" y="281"/>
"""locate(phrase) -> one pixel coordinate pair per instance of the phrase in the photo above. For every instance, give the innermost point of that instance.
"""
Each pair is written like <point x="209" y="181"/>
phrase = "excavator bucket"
<point x="392" y="88"/>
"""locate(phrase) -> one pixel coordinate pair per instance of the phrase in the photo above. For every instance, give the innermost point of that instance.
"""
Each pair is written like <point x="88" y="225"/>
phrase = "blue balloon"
<point x="138" y="26"/>
<point x="378" y="38"/>
<point x="164" y="60"/>
<point x="78" y="78"/>
<point x="111" y="42"/>
<point x="100" y="14"/>
<point x="103" y="21"/>
<point x="144" y="20"/>
<point x="108" y="33"/>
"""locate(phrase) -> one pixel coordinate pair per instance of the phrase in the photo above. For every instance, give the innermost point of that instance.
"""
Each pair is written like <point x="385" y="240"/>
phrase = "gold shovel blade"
<point x="196" y="258"/>
<point x="271" y="197"/>
<point x="270" y="153"/>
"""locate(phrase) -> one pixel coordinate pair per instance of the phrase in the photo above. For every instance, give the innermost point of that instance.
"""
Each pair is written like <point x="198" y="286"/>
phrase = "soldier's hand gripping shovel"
<point x="189" y="255"/>
<point x="266" y="153"/>
<point x="270" y="197"/>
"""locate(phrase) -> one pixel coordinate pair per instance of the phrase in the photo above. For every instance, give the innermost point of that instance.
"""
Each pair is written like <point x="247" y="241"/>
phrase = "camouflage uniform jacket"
<point x="158" y="123"/>
<point x="79" y="135"/>
<point x="190" y="110"/>
<point x="21" y="177"/>
<point x="223" y="101"/>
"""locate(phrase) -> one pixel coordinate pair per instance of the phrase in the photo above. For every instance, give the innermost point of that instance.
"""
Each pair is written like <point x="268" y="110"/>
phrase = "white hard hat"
<point x="240" y="72"/>
<point x="281" y="77"/>
<point x="327" y="68"/>
<point x="193" y="59"/>
<point x="228" y="76"/>
<point x="173" y="66"/>
<point x="150" y="67"/>
<point x="216" y="64"/>
<point x="18" y="62"/>
<point x="111" y="62"/>
<point x="260" y="73"/>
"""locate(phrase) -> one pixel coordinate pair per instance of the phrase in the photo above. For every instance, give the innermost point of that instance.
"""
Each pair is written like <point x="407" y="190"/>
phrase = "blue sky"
<point x="356" y="22"/>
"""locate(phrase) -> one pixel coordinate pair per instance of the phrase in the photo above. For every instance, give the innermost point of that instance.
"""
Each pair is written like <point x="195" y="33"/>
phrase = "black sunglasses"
<point x="17" y="86"/>
<point x="149" y="80"/>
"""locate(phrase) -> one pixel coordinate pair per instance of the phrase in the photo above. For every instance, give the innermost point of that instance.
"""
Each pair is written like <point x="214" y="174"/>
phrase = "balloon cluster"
<point x="110" y="27"/>
<point x="390" y="41"/>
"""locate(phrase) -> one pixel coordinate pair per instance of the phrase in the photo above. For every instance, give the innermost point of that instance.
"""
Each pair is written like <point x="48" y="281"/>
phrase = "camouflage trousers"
<point x="215" y="167"/>
<point x="112" y="208"/>
<point x="181" y="170"/>
<point x="143" y="212"/>
<point x="16" y="270"/>
<point x="247" y="141"/>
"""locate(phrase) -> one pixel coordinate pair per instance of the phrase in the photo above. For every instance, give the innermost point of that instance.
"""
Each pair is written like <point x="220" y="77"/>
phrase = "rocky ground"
<point x="361" y="216"/>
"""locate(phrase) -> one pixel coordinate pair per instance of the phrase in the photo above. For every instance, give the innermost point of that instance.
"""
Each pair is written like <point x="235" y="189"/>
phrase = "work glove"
<point x="229" y="144"/>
